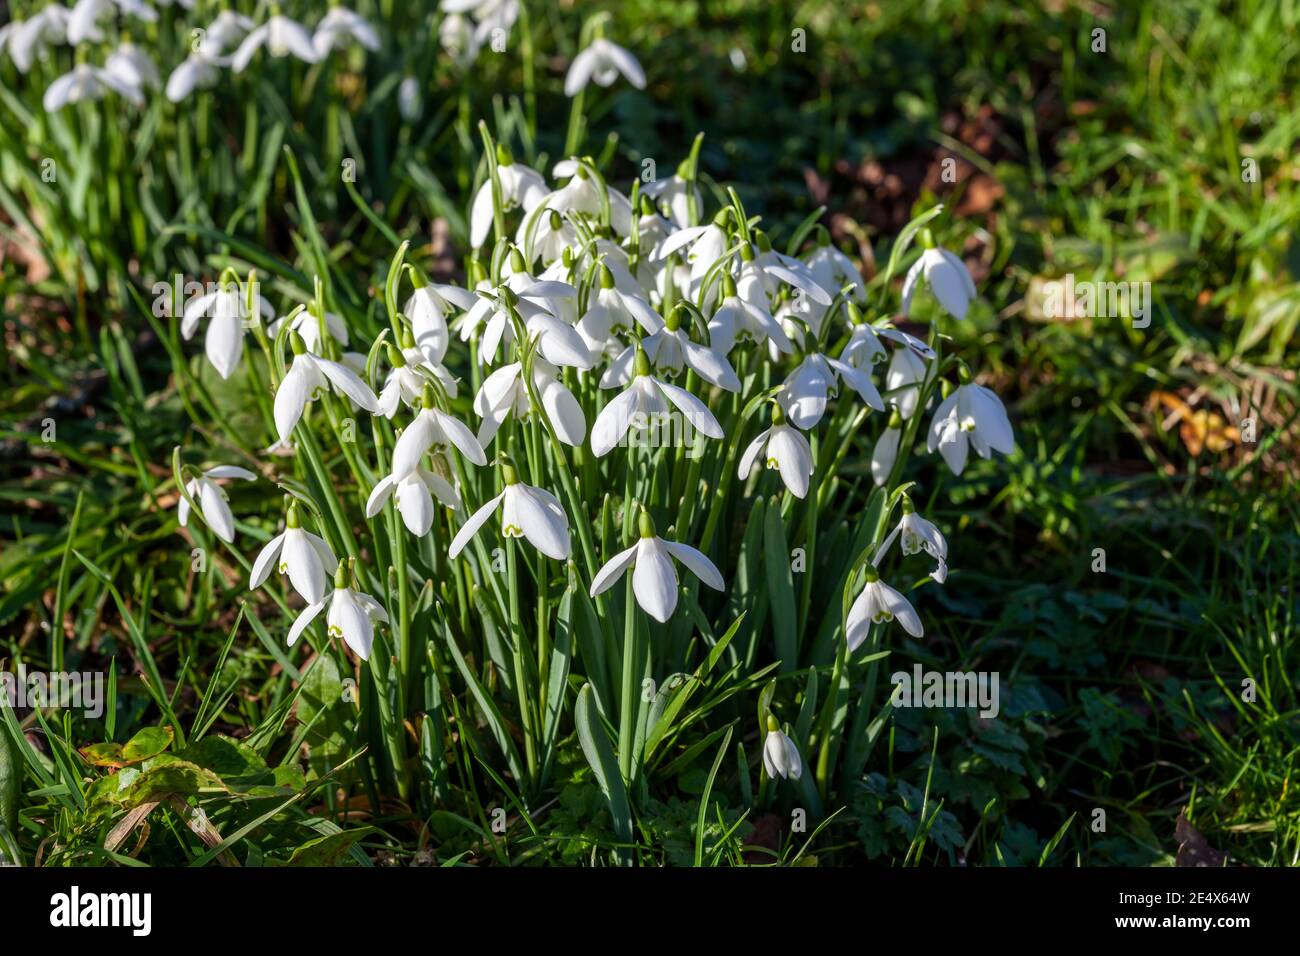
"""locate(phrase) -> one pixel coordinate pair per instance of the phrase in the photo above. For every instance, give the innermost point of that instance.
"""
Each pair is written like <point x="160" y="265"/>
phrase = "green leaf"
<point x="599" y="751"/>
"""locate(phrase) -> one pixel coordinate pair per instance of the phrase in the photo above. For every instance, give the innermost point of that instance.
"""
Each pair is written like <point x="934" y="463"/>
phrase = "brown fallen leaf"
<point x="1192" y="848"/>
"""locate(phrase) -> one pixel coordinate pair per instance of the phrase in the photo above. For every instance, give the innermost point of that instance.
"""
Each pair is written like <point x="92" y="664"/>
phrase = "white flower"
<point x="706" y="245"/>
<point x="602" y="62"/>
<point x="225" y="29"/>
<point x="211" y="499"/>
<point x="971" y="414"/>
<point x="408" y="99"/>
<point x="308" y="378"/>
<point x="132" y="66"/>
<point x="833" y="270"/>
<point x="915" y="535"/>
<point x="433" y="430"/>
<point x="864" y="348"/>
<point x="761" y="276"/>
<point x="610" y="312"/>
<point x="30" y="38"/>
<point x="405" y="383"/>
<point x="352" y="616"/>
<point x="808" y="387"/>
<point x="457" y="36"/>
<point x="903" y="381"/>
<point x="645" y="397"/>
<point x="673" y="196"/>
<point x="428" y="308"/>
<point x="340" y="25"/>
<point x="738" y="320"/>
<point x="520" y="186"/>
<point x="780" y="755"/>
<point x="198" y="70"/>
<point x="86" y="82"/>
<point x="877" y="604"/>
<point x="305" y="557"/>
<point x="784" y="449"/>
<point x="504" y="392"/>
<point x="84" y="20"/>
<point x="281" y="37"/>
<point x="526" y="512"/>
<point x="581" y="194"/>
<point x="654" y="579"/>
<point x="535" y="303"/>
<point x="670" y="350"/>
<point x="947" y="277"/>
<point x="226" y="309"/>
<point x="414" y="493"/>
<point x="885" y="451"/>
<point x="307" y="324"/>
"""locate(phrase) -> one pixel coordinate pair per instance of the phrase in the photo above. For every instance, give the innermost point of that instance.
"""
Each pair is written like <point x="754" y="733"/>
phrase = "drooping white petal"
<point x="612" y="570"/>
<point x="654" y="581"/>
<point x="470" y="527"/>
<point x="265" y="561"/>
<point x="698" y="562"/>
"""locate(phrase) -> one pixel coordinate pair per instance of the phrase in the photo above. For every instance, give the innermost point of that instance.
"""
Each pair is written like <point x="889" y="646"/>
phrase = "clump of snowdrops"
<point x="536" y="483"/>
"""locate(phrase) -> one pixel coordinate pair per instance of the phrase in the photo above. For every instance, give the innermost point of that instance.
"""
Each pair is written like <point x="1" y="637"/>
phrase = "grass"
<point x="1122" y="690"/>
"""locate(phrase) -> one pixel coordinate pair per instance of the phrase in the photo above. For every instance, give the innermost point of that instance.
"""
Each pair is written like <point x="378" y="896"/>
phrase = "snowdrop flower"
<point x="436" y="430"/>
<point x="673" y="196"/>
<point x="457" y="36"/>
<point x="86" y="82"/>
<point x="305" y="557"/>
<point x="833" y="270"/>
<point x="211" y="499"/>
<point x="533" y="301"/>
<point x="409" y="102"/>
<point x="197" y="71"/>
<point x="784" y="449"/>
<point x="808" y="387"/>
<point x="761" y="276"/>
<point x="545" y="233"/>
<point x="864" y="347"/>
<point x="405" y="383"/>
<point x="945" y="274"/>
<point x="308" y="378"/>
<point x="645" y="397"/>
<point x="29" y="39"/>
<point x="903" y="381"/>
<point x="737" y="320"/>
<point x="226" y="308"/>
<point x="414" y="493"/>
<point x="654" y="579"/>
<point x="340" y="25"/>
<point x="281" y="36"/>
<point x="611" y="311"/>
<point x="582" y="194"/>
<point x="669" y="350"/>
<point x="520" y="186"/>
<point x="703" y="245"/>
<point x="352" y="616"/>
<point x="526" y="512"/>
<point x="780" y="755"/>
<point x="428" y="308"/>
<point x="228" y="27"/>
<point x="917" y="535"/>
<point x="504" y="392"/>
<point x="885" y="451"/>
<point x="877" y="604"/>
<point x="307" y="324"/>
<point x="132" y="66"/>
<point x="85" y="18"/>
<point x="602" y="62"/>
<point x="972" y="415"/>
